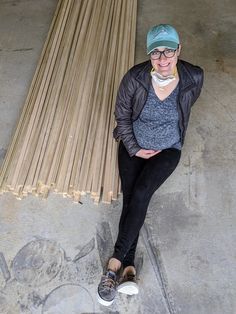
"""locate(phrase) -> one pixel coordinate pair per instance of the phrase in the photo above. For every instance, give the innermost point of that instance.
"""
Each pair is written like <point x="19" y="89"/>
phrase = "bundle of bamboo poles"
<point x="63" y="141"/>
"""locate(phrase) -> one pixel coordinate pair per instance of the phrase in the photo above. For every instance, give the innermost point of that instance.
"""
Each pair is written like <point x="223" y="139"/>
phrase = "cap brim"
<point x="164" y="43"/>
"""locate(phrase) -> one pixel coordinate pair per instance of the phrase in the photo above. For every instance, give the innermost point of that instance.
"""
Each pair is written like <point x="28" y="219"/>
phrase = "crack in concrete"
<point x="85" y="250"/>
<point x="17" y="50"/>
<point x="157" y="264"/>
<point x="23" y="49"/>
<point x="4" y="267"/>
<point x="105" y="243"/>
<point x="3" y="152"/>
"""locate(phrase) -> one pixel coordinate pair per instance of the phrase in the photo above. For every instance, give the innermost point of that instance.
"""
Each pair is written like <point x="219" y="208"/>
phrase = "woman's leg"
<point x="153" y="173"/>
<point x="129" y="170"/>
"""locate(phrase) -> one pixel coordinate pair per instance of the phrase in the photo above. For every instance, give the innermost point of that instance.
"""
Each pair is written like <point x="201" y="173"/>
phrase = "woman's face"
<point x="165" y="66"/>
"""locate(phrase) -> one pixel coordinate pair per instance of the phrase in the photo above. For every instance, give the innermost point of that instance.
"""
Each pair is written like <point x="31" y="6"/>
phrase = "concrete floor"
<point x="52" y="252"/>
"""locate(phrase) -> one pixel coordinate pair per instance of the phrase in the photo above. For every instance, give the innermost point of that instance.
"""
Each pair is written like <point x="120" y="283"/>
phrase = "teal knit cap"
<point x="162" y="35"/>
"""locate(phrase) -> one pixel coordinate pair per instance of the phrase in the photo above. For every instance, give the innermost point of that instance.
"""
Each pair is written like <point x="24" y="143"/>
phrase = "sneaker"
<point x="107" y="288"/>
<point x="128" y="285"/>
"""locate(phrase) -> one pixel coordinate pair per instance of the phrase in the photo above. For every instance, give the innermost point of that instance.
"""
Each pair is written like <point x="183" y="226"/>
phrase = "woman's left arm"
<point x="199" y="78"/>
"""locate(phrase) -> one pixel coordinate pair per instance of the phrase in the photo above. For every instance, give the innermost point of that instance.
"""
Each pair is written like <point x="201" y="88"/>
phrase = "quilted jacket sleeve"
<point x="123" y="114"/>
<point x="198" y="78"/>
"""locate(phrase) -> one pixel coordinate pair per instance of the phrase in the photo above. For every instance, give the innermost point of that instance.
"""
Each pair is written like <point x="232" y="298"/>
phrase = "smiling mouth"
<point x="164" y="65"/>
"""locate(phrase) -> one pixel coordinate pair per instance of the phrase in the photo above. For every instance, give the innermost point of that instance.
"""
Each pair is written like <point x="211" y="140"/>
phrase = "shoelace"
<point x="108" y="282"/>
<point x="130" y="276"/>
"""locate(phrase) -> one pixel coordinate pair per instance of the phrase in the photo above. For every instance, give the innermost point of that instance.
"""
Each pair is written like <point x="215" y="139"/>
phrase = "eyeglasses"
<point x="168" y="53"/>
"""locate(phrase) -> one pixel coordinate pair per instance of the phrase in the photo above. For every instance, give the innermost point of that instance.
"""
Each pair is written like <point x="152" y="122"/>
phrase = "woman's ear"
<point x="179" y="49"/>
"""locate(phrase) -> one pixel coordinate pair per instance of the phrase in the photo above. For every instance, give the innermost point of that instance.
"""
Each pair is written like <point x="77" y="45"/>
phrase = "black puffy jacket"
<point x="132" y="95"/>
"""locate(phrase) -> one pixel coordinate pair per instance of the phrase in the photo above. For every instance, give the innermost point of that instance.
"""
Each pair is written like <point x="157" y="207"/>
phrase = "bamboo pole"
<point x="115" y="186"/>
<point x="63" y="141"/>
<point x="103" y="128"/>
<point x="80" y="118"/>
<point x="53" y="101"/>
<point x="62" y="108"/>
<point x="27" y="108"/>
<point x="78" y="113"/>
<point x="98" y="86"/>
<point x="111" y="164"/>
<point x="17" y="172"/>
<point x="64" y="114"/>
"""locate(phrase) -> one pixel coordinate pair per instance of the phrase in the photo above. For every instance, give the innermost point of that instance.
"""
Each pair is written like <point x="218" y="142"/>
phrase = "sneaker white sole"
<point x="129" y="288"/>
<point x="103" y="302"/>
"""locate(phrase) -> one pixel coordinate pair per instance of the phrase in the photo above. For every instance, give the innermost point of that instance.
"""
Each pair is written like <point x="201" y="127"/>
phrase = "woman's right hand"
<point x="147" y="153"/>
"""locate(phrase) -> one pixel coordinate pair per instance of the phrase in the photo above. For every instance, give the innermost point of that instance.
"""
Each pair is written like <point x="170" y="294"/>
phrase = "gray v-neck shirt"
<point x="157" y="126"/>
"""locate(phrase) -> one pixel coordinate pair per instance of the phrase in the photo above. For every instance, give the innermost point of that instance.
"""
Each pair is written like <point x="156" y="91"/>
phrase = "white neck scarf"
<point x="160" y="80"/>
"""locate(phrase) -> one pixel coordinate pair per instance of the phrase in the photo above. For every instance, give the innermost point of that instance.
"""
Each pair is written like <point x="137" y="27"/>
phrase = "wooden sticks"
<point x="63" y="141"/>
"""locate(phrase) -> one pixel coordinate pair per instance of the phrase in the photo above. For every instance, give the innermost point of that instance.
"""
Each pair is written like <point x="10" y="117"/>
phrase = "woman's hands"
<point x="147" y="153"/>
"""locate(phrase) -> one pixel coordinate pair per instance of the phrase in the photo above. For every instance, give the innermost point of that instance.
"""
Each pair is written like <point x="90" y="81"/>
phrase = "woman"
<point x="152" y="112"/>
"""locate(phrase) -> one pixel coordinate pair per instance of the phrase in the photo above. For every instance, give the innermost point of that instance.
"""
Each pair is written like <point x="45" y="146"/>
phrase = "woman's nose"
<point x="162" y="56"/>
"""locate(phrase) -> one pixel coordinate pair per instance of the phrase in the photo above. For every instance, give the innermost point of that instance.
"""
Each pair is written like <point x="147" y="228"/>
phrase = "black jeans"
<point x="140" y="178"/>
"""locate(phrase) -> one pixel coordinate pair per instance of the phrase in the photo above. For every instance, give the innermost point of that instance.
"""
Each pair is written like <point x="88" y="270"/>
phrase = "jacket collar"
<point x="185" y="78"/>
<point x="144" y="77"/>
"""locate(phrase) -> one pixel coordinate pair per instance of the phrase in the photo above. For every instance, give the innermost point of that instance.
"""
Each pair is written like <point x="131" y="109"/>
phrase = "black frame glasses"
<point x="168" y="53"/>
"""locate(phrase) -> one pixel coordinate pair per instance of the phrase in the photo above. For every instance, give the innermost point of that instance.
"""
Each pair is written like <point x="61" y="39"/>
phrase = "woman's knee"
<point x="142" y="194"/>
<point x="171" y="160"/>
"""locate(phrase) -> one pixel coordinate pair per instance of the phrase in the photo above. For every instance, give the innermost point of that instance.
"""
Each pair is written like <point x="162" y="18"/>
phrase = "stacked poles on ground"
<point x="63" y="141"/>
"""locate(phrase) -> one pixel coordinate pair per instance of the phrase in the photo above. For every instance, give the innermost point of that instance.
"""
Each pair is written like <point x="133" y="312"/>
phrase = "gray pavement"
<point x="52" y="252"/>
